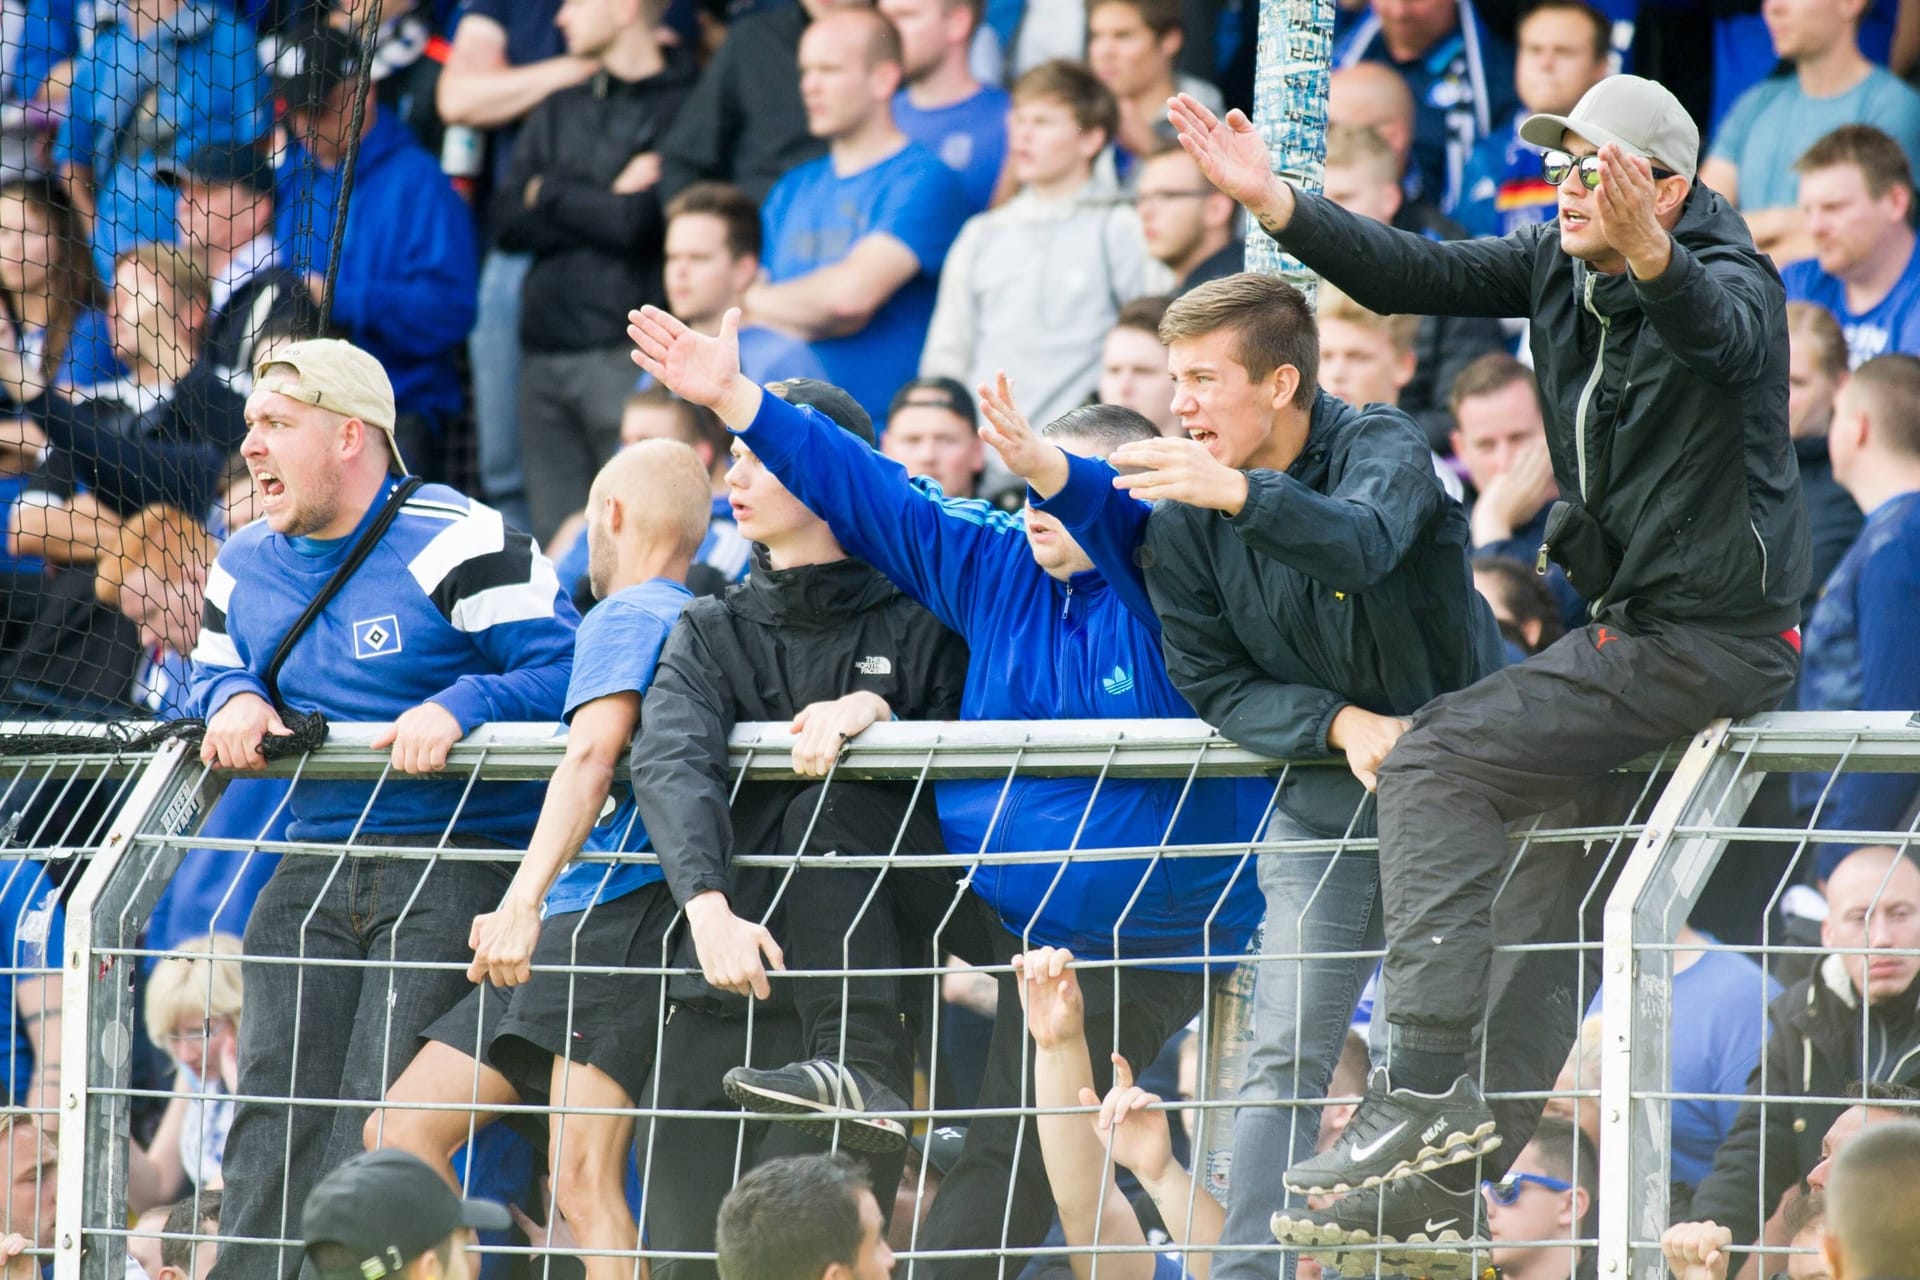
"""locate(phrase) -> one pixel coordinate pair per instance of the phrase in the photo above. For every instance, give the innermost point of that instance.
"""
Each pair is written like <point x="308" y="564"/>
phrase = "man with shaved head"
<point x="1872" y="1230"/>
<point x="855" y="240"/>
<point x="1823" y="1041"/>
<point x="549" y="1032"/>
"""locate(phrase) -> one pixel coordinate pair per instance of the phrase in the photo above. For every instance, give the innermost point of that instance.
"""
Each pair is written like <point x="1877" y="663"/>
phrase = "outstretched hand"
<point x="695" y="367"/>
<point x="1027" y="455"/>
<point x="1232" y="156"/>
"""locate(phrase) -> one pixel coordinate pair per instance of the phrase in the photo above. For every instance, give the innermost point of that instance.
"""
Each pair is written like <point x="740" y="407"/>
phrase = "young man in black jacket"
<point x="581" y="197"/>
<point x="1334" y="596"/>
<point x="1659" y="337"/>
<point x="823" y="640"/>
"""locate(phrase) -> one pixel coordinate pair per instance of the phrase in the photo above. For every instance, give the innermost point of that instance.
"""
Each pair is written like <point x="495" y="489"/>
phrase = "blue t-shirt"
<point x="1773" y="124"/>
<point x="767" y="355"/>
<point x="1743" y="51"/>
<point x="1503" y="188"/>
<point x="32" y="926"/>
<point x="1891" y="326"/>
<point x="1719" y="1026"/>
<point x="813" y="218"/>
<point x="614" y="651"/>
<point x="969" y="136"/>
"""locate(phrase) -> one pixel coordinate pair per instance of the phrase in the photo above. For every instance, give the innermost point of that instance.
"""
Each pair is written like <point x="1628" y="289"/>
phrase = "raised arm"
<point x="1381" y="268"/>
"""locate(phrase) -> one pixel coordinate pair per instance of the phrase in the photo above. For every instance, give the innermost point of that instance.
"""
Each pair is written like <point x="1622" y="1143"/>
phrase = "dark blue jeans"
<point x="332" y="1032"/>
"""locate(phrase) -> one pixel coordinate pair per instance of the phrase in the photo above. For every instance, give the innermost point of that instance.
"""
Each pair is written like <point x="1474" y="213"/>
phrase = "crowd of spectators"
<point x="936" y="220"/>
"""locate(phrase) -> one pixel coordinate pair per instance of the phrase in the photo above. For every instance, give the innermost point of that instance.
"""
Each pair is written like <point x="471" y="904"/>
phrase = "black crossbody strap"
<point x="369" y="539"/>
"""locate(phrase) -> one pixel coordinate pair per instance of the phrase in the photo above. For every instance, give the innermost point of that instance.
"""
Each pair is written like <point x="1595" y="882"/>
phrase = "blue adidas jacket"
<point x="1042" y="650"/>
<point x="409" y="273"/>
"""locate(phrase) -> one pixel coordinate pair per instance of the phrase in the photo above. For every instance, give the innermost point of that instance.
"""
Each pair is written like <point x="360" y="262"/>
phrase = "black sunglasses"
<point x="1556" y="165"/>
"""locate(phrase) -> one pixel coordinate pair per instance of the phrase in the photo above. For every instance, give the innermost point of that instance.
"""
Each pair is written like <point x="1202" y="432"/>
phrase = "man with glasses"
<point x="1191" y="228"/>
<point x="1659" y="338"/>
<point x="1547" y="1196"/>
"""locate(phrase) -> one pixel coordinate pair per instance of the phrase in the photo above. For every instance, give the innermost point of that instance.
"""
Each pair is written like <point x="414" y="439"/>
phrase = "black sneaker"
<point x="1414" y="1226"/>
<point x="848" y="1107"/>
<point x="1397" y="1132"/>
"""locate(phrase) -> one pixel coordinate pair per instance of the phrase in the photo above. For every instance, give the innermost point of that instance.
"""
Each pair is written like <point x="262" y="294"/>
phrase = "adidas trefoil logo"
<point x="1119" y="683"/>
<point x="877" y="665"/>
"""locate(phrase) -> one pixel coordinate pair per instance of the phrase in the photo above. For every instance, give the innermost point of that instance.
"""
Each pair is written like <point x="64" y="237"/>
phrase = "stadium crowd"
<point x="658" y="366"/>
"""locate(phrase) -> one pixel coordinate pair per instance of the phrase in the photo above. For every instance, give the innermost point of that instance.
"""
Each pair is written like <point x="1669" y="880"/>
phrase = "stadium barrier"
<point x="1673" y="817"/>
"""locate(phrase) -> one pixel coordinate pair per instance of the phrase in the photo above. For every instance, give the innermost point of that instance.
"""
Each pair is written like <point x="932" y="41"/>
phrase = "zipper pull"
<point x="1540" y="561"/>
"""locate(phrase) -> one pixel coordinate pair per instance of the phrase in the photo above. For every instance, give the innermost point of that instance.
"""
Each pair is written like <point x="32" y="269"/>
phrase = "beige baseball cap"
<point x="333" y="375"/>
<point x="1642" y="116"/>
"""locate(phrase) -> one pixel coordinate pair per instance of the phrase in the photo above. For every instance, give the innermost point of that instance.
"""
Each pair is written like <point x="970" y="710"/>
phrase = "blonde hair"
<point x="163" y="540"/>
<point x="1401" y="330"/>
<point x="202" y="981"/>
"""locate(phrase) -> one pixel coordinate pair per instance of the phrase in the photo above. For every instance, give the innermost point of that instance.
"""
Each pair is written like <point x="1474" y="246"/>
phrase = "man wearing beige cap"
<point x="439" y="618"/>
<point x="1659" y="337"/>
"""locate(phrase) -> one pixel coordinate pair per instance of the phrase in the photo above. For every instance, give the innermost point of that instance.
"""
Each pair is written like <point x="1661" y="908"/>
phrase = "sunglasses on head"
<point x="1556" y="165"/>
<point x="1506" y="1191"/>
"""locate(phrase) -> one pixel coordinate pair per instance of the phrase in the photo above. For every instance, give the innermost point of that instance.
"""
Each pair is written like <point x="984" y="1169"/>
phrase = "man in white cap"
<point x="447" y="620"/>
<point x="1659" y="337"/>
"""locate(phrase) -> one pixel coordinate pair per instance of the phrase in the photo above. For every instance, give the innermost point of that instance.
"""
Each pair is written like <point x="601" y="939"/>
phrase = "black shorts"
<point x="609" y="1021"/>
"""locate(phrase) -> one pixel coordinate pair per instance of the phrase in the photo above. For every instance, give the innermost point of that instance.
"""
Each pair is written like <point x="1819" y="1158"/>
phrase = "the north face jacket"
<point x="1666" y="399"/>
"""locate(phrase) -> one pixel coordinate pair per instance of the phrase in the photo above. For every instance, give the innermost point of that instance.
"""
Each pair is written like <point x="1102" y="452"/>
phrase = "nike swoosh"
<point x="1441" y="1225"/>
<point x="1371" y="1149"/>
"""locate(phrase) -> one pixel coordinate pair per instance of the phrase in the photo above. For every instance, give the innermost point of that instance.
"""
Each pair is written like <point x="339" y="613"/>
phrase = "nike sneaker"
<point x="1416" y="1226"/>
<point x="1397" y="1132"/>
<point x="841" y="1103"/>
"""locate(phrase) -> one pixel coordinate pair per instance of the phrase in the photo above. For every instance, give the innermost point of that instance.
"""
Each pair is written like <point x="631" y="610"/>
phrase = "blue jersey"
<point x="1041" y="650"/>
<point x="1774" y="123"/>
<point x="32" y="926"/>
<point x="452" y="607"/>
<point x="1891" y="326"/>
<point x="1859" y="657"/>
<point x="1503" y="188"/>
<point x="969" y="136"/>
<point x="813" y="218"/>
<point x="615" y="650"/>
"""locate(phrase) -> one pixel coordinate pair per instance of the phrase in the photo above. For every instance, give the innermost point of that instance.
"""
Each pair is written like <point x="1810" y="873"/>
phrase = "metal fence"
<point x="1645" y="859"/>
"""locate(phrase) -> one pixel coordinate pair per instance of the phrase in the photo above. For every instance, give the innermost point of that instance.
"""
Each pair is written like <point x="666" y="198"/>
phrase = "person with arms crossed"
<point x="451" y="620"/>
<point x="555" y="1037"/>
<point x="1649" y="304"/>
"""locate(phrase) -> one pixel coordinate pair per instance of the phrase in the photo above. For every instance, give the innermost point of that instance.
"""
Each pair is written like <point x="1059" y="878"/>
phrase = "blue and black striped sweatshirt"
<point x="452" y="607"/>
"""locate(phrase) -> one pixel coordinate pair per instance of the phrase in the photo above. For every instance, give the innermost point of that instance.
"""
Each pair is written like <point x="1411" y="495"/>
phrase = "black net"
<point x="175" y="180"/>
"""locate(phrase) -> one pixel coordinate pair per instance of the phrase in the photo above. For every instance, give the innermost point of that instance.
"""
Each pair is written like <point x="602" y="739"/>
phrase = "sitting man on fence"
<point x="1051" y="638"/>
<point x="1822" y="1039"/>
<point x="818" y="639"/>
<point x="553" y="1036"/>
<point x="437" y="619"/>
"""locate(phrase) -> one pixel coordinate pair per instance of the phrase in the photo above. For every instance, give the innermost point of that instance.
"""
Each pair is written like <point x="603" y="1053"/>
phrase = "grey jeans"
<point x="571" y="404"/>
<point x="333" y="1032"/>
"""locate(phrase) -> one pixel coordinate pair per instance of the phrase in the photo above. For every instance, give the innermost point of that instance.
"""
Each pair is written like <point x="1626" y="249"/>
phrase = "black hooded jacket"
<point x="774" y="644"/>
<point x="1666" y="400"/>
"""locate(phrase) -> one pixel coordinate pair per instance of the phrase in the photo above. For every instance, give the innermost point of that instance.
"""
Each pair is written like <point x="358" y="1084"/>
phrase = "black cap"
<point x="235" y="164"/>
<point x="828" y="399"/>
<point x="940" y="393"/>
<point x="310" y="61"/>
<point x="387" y="1208"/>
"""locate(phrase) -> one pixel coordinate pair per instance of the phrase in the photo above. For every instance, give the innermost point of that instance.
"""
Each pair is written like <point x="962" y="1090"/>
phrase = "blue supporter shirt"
<point x="1502" y="189"/>
<point x="1859" y="657"/>
<point x="1773" y="123"/>
<point x="193" y="79"/>
<point x="969" y="136"/>
<point x="1742" y="53"/>
<point x="615" y="651"/>
<point x="31" y="919"/>
<point x="1891" y="326"/>
<point x="813" y="218"/>
<point x="451" y="607"/>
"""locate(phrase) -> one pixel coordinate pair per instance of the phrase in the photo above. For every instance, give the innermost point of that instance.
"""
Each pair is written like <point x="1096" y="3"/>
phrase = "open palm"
<point x="1228" y="151"/>
<point x="690" y="364"/>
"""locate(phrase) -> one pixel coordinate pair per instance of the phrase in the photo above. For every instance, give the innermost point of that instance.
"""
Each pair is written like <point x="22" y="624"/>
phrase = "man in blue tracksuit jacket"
<point x="408" y="280"/>
<point x="1049" y="640"/>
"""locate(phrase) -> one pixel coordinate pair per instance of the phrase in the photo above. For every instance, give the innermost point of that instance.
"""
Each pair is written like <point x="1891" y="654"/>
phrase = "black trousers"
<point x="1514" y="745"/>
<point x="997" y="1196"/>
<point x="855" y="919"/>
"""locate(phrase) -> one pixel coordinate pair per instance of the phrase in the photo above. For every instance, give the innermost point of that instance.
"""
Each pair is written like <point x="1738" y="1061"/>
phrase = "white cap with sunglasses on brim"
<point x="337" y="376"/>
<point x="1642" y="116"/>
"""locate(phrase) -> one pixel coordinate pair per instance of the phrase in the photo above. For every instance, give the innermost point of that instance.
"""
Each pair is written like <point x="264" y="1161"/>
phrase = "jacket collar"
<point x="825" y="593"/>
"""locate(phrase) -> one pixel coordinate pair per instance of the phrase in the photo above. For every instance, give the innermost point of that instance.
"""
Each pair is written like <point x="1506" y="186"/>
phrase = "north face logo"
<point x="874" y="666"/>
<point x="1120" y="682"/>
